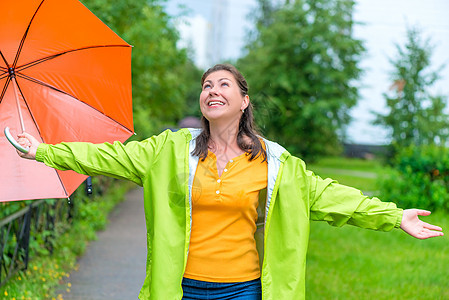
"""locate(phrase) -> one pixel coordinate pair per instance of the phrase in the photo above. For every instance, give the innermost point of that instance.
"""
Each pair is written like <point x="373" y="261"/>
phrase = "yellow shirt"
<point x="224" y="213"/>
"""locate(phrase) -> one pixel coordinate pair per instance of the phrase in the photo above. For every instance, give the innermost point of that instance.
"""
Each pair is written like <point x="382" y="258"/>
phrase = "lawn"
<point x="353" y="263"/>
<point x="357" y="173"/>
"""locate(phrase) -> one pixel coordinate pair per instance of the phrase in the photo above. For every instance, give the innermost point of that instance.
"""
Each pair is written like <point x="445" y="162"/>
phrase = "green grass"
<point x="338" y="162"/>
<point x="364" y="184"/>
<point x="353" y="263"/>
<point x="357" y="173"/>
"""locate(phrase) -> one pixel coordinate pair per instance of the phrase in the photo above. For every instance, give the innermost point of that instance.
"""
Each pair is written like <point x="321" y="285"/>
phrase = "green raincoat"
<point x="165" y="168"/>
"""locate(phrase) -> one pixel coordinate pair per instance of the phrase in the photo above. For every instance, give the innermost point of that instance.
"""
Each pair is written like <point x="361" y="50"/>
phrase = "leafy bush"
<point x="8" y="208"/>
<point x="68" y="240"/>
<point x="419" y="178"/>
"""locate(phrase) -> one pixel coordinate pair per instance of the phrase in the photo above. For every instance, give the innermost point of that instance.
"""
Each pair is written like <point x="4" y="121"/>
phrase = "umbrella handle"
<point x="14" y="142"/>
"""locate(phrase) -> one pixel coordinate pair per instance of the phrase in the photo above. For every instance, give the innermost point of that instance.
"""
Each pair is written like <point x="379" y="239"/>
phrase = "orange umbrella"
<point x="64" y="76"/>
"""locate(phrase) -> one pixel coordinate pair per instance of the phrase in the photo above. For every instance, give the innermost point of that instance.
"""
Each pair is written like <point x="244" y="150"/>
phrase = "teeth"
<point x="215" y="103"/>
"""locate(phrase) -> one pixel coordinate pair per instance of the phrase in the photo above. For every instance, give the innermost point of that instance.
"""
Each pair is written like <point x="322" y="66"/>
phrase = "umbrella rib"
<point x="5" y="87"/>
<point x="41" y="60"/>
<point x="60" y="180"/>
<point x="25" y="35"/>
<point x="28" y="108"/>
<point x="61" y="91"/>
<point x="2" y="68"/>
<point x="4" y="59"/>
<point x="43" y="83"/>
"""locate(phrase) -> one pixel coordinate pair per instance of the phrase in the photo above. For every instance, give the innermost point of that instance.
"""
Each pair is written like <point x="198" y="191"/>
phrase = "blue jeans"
<point x="204" y="290"/>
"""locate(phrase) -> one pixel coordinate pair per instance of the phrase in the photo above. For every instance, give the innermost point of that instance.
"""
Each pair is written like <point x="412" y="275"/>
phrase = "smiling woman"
<point x="205" y="191"/>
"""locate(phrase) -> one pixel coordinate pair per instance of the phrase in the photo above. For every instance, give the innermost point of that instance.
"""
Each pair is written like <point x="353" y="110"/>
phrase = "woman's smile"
<point x="215" y="103"/>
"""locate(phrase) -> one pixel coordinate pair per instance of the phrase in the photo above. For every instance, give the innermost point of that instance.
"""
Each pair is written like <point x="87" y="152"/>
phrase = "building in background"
<point x="206" y="34"/>
<point x="216" y="40"/>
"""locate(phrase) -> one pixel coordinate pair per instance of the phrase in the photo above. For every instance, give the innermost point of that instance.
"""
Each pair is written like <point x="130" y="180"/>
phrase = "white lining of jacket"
<point x="274" y="152"/>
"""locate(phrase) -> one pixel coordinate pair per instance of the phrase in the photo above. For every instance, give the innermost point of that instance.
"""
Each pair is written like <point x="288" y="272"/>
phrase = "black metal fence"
<point x="43" y="220"/>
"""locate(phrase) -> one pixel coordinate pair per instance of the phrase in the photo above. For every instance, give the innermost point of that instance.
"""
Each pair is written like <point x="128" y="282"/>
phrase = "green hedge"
<point x="419" y="178"/>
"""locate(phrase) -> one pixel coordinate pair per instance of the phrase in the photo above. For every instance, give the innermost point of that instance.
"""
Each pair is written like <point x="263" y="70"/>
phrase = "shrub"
<point x="67" y="240"/>
<point x="419" y="178"/>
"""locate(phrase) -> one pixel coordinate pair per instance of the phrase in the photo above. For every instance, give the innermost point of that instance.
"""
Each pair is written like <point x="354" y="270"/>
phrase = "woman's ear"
<point x="245" y="102"/>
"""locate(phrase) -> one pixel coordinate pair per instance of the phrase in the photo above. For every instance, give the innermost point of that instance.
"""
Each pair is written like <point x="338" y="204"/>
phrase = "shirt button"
<point x="231" y="160"/>
<point x="219" y="180"/>
<point x="218" y="192"/>
<point x="225" y="170"/>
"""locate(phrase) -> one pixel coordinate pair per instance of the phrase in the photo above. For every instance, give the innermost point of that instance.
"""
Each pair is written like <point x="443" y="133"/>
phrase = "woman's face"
<point x="221" y="97"/>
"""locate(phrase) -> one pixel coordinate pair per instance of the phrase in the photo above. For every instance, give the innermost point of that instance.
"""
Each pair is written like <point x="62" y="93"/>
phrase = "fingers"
<point x="29" y="137"/>
<point x="425" y="234"/>
<point x="26" y="140"/>
<point x="431" y="227"/>
<point x="422" y="212"/>
<point x="23" y="141"/>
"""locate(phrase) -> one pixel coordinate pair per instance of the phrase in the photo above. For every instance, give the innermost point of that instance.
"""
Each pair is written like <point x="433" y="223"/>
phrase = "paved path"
<point x="113" y="267"/>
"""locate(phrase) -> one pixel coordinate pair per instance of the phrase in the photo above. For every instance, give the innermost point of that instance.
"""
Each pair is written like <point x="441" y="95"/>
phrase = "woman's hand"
<point x="27" y="140"/>
<point x="417" y="228"/>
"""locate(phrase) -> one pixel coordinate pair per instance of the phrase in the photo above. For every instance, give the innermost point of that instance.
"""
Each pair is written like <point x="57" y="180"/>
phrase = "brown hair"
<point x="246" y="124"/>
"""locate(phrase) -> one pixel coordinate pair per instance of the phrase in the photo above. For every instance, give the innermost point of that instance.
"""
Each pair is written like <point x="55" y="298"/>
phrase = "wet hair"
<point x="246" y="124"/>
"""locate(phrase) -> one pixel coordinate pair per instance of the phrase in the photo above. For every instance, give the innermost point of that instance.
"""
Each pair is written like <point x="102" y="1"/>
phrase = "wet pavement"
<point x="113" y="266"/>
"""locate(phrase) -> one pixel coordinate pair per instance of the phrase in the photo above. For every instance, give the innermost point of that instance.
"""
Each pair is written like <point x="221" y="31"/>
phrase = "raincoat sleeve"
<point x="338" y="205"/>
<point x="130" y="161"/>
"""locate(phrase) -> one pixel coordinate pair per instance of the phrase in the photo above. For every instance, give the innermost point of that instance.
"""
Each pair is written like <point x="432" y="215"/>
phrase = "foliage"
<point x="301" y="65"/>
<point x="420" y="178"/>
<point x="8" y="208"/>
<point x="45" y="271"/>
<point x="415" y="116"/>
<point x="162" y="75"/>
<point x="193" y="85"/>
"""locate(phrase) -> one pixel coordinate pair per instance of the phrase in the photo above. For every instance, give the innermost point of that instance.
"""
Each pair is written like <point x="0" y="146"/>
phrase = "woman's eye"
<point x="225" y="84"/>
<point x="206" y="86"/>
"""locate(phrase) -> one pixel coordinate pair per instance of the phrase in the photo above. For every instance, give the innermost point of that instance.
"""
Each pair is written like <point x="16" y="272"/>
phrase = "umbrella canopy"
<point x="70" y="76"/>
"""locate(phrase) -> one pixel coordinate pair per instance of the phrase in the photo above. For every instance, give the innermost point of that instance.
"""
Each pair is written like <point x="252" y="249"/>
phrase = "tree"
<point x="415" y="116"/>
<point x="162" y="74"/>
<point x="301" y="65"/>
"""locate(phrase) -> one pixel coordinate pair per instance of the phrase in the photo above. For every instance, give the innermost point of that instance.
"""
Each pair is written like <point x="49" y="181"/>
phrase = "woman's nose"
<point x="213" y="90"/>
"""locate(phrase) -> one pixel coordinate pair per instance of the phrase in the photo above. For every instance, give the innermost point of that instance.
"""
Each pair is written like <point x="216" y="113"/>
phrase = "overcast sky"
<point x="384" y="24"/>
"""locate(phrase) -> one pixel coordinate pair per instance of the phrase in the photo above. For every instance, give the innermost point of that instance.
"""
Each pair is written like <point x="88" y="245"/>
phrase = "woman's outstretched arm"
<point x="131" y="161"/>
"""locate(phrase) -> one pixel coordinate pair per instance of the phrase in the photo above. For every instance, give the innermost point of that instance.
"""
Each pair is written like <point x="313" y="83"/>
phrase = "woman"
<point x="202" y="192"/>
